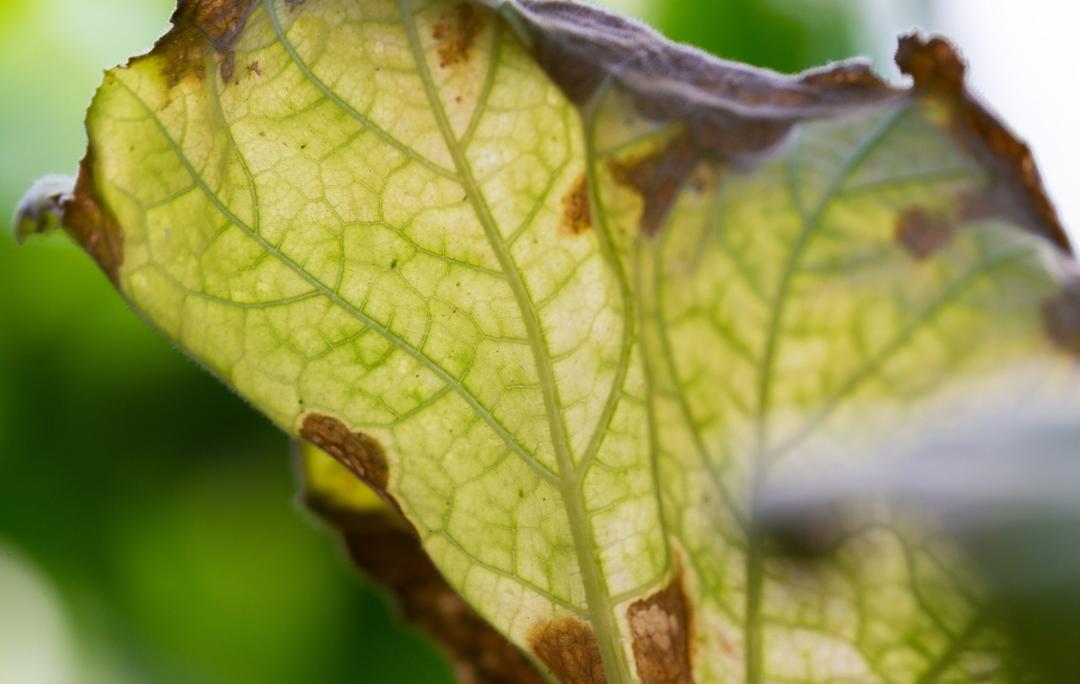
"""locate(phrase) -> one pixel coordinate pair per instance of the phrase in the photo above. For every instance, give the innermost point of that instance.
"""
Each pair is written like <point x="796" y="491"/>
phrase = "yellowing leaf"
<point x="570" y="295"/>
<point x="383" y="545"/>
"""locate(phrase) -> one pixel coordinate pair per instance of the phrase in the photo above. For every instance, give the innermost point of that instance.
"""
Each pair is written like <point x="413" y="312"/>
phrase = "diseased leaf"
<point x="382" y="544"/>
<point x="1007" y="494"/>
<point x="570" y="296"/>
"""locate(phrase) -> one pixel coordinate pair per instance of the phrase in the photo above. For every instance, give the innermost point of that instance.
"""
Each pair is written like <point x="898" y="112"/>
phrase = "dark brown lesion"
<point x="923" y="233"/>
<point x="1061" y="317"/>
<point x="661" y="626"/>
<point x="736" y="116"/>
<point x="658" y="177"/>
<point x="577" y="213"/>
<point x="569" y="649"/>
<point x="87" y="219"/>
<point x="731" y="116"/>
<point x="387" y="549"/>
<point x="228" y="66"/>
<point x="456" y="33"/>
<point x="200" y="26"/>
<point x="220" y="21"/>
<point x="361" y="454"/>
<point x="1016" y="191"/>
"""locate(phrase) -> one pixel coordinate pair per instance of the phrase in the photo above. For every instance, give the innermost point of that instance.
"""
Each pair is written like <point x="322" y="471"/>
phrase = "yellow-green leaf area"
<point x="581" y="333"/>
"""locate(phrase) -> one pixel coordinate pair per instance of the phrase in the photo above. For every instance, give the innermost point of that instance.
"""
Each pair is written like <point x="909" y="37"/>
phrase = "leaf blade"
<point x="495" y="280"/>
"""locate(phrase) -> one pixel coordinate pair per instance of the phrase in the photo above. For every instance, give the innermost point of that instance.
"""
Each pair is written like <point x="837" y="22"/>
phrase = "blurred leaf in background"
<point x="165" y="543"/>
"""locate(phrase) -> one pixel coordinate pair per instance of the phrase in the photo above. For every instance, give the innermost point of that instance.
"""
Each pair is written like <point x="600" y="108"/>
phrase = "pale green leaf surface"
<point x="371" y="220"/>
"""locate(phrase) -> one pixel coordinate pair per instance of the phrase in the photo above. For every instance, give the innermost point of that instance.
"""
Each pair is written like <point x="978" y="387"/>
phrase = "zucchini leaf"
<point x="570" y="296"/>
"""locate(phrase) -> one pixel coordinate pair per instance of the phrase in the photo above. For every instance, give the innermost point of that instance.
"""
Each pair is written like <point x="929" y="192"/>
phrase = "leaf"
<point x="381" y="543"/>
<point x="570" y="296"/>
<point x="1006" y="494"/>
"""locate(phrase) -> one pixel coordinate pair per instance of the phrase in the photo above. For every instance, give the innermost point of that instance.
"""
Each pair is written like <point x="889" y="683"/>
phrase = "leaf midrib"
<point x="599" y="603"/>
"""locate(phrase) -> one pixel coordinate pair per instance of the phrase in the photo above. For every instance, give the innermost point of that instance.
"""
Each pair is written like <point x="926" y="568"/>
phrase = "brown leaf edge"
<point x="737" y="114"/>
<point x="197" y="26"/>
<point x="382" y="545"/>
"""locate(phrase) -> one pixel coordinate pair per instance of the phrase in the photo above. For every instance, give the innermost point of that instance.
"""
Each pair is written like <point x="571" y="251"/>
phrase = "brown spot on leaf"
<point x="456" y="33"/>
<point x="220" y="21"/>
<point x="92" y="225"/>
<point x="254" y="68"/>
<point x="577" y="215"/>
<point x="228" y="66"/>
<point x="1016" y="190"/>
<point x="736" y="115"/>
<point x="381" y="545"/>
<point x="199" y="26"/>
<point x="355" y="450"/>
<point x="1061" y="316"/>
<point x="568" y="647"/>
<point x="42" y="208"/>
<point x="582" y="47"/>
<point x="658" y="177"/>
<point x="732" y="114"/>
<point x="922" y="233"/>
<point x="661" y="628"/>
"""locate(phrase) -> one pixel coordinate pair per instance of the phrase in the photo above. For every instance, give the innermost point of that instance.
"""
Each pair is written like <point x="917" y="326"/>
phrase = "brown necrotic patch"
<point x="456" y="33"/>
<point x="661" y="628"/>
<point x="577" y="215"/>
<point x="922" y="233"/>
<point x="199" y="27"/>
<point x="387" y="551"/>
<point x="568" y="647"/>
<point x="1016" y="191"/>
<point x="737" y="115"/>
<point x="219" y="21"/>
<point x="356" y="451"/>
<point x="90" y="223"/>
<point x="658" y="177"/>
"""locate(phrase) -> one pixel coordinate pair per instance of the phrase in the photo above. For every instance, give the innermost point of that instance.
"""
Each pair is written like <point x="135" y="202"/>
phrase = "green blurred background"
<point x="149" y="529"/>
